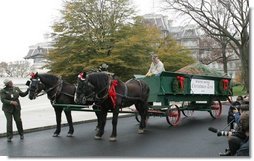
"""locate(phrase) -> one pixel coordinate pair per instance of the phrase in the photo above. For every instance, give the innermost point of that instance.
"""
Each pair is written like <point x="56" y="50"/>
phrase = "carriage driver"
<point x="11" y="107"/>
<point x="156" y="66"/>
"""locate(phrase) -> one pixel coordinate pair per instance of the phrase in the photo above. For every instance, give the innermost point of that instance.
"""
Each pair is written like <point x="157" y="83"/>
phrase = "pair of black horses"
<point x="98" y="89"/>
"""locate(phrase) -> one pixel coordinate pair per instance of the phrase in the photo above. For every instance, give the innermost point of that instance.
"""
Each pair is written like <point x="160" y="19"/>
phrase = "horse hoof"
<point x="112" y="139"/>
<point x="69" y="135"/>
<point x="97" y="137"/>
<point x="55" y="135"/>
<point x="141" y="131"/>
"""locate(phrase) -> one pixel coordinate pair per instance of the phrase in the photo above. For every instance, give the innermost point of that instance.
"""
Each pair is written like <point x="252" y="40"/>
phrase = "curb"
<point x="62" y="125"/>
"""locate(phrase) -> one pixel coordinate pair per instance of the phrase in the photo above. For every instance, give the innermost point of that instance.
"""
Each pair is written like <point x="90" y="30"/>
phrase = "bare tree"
<point x="212" y="50"/>
<point x="227" y="20"/>
<point x="22" y="69"/>
<point x="3" y="66"/>
<point x="15" y="69"/>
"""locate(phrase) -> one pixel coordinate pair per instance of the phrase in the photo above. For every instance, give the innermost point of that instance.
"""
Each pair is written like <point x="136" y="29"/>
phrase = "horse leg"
<point x="103" y="118"/>
<point x="58" y="112"/>
<point x="69" y="120"/>
<point x="143" y="113"/>
<point x="114" y="124"/>
<point x="98" y="115"/>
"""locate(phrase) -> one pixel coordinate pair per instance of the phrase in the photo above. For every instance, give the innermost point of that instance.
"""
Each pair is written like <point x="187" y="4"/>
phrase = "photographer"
<point x="232" y="111"/>
<point x="244" y="147"/>
<point x="235" y="138"/>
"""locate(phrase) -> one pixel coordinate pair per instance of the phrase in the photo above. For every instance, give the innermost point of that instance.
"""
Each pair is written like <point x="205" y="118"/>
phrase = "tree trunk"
<point x="224" y="58"/>
<point x="244" y="52"/>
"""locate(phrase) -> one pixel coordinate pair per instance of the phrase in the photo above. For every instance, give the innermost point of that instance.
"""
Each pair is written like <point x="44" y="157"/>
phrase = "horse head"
<point x="35" y="86"/>
<point x="47" y="82"/>
<point x="85" y="90"/>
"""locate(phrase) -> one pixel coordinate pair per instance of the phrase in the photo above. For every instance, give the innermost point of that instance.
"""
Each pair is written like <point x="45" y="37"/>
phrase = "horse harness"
<point x="126" y="91"/>
<point x="106" y="95"/>
<point x="95" y="95"/>
<point x="58" y="87"/>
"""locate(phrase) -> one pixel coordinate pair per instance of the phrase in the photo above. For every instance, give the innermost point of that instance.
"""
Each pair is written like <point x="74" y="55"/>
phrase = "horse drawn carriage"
<point x="167" y="95"/>
<point x="174" y="93"/>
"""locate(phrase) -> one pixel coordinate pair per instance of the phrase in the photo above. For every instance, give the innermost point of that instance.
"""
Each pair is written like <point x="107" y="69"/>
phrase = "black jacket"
<point x="9" y="94"/>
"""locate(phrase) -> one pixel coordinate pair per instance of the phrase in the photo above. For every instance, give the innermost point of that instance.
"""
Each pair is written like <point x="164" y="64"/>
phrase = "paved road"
<point x="190" y="139"/>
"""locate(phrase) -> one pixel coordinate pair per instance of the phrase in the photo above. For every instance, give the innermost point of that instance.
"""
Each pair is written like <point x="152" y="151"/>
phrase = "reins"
<point x="58" y="91"/>
<point x="94" y="94"/>
<point x="50" y="89"/>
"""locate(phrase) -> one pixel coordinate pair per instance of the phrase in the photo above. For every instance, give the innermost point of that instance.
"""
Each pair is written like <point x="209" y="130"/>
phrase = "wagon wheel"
<point x="187" y="113"/>
<point x="215" y="108"/>
<point x="173" y="115"/>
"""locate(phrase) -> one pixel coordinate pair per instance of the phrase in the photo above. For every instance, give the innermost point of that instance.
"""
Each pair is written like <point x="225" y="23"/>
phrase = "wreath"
<point x="178" y="84"/>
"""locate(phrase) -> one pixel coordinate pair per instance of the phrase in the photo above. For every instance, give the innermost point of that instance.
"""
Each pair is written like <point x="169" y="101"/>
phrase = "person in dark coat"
<point x="238" y="141"/>
<point x="244" y="147"/>
<point x="231" y="111"/>
<point x="11" y="107"/>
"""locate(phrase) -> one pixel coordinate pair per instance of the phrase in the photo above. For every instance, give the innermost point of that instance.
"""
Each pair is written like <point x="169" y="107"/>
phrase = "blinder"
<point x="34" y="87"/>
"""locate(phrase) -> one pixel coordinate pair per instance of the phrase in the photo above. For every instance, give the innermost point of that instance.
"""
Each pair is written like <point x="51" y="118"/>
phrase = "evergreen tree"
<point x="92" y="32"/>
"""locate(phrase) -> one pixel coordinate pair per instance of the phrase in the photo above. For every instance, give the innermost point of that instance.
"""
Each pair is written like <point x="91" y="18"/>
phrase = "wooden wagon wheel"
<point x="216" y="108"/>
<point x="173" y="115"/>
<point x="187" y="113"/>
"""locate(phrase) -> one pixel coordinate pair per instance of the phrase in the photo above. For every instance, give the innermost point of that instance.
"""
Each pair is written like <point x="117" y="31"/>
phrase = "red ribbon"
<point x="81" y="76"/>
<point x="181" y="80"/>
<point x="225" y="84"/>
<point x="112" y="92"/>
<point x="32" y="75"/>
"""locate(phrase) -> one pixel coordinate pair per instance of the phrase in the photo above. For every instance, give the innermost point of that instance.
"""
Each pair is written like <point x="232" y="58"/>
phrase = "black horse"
<point x="58" y="91"/>
<point x="112" y="94"/>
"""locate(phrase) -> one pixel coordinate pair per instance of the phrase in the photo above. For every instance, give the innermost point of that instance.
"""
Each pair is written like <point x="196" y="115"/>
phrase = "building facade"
<point x="37" y="53"/>
<point x="191" y="38"/>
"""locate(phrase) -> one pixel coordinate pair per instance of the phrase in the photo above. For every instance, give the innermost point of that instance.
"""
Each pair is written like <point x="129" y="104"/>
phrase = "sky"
<point x="24" y="23"/>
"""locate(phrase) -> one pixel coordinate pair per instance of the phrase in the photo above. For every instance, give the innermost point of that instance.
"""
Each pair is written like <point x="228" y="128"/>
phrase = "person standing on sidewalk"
<point x="11" y="107"/>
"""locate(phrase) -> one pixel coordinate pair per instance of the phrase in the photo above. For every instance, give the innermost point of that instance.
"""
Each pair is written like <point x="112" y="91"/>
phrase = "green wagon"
<point x="174" y="93"/>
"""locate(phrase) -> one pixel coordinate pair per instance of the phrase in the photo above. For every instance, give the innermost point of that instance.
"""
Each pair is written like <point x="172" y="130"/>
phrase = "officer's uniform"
<point x="9" y="94"/>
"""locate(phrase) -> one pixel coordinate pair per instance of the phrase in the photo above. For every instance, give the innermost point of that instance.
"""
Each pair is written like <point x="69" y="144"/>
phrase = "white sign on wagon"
<point x="201" y="86"/>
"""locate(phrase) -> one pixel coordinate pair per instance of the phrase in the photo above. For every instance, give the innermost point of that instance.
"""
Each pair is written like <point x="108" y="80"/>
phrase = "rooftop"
<point x="38" y="50"/>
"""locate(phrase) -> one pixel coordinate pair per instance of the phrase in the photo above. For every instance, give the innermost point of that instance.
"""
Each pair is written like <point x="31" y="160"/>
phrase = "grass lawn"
<point x="237" y="91"/>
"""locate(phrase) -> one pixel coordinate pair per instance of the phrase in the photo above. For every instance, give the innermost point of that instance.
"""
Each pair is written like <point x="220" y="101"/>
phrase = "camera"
<point x="222" y="133"/>
<point x="218" y="132"/>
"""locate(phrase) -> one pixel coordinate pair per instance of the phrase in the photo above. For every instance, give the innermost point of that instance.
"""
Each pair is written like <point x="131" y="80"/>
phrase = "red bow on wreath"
<point x="181" y="80"/>
<point x="225" y="84"/>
